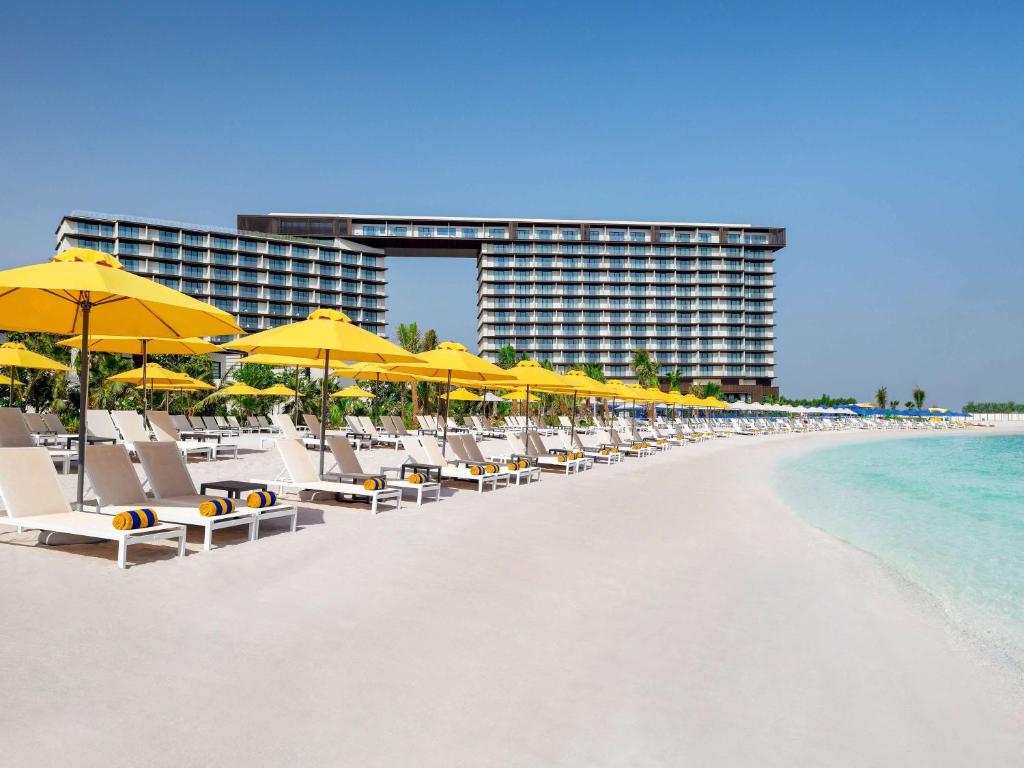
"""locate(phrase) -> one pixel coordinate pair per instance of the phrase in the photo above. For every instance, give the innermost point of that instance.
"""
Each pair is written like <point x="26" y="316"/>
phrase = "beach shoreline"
<point x="670" y="611"/>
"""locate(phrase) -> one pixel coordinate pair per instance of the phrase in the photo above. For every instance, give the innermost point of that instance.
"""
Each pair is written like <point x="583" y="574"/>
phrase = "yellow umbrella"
<point x="6" y="381"/>
<point x="714" y="402"/>
<point x="353" y="392"/>
<point x="145" y="346"/>
<point x="520" y="395"/>
<point x="374" y="372"/>
<point x="461" y="394"/>
<point x="16" y="355"/>
<point x="529" y="374"/>
<point x="282" y="361"/>
<point x="239" y="389"/>
<point x="84" y="291"/>
<point x="582" y="384"/>
<point x="278" y="390"/>
<point x="325" y="334"/>
<point x="691" y="401"/>
<point x="153" y="373"/>
<point x="451" y="360"/>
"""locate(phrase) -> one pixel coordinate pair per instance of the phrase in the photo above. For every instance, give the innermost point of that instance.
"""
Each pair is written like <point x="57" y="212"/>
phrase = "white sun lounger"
<point x="14" y="434"/>
<point x="170" y="480"/>
<point x="432" y="454"/>
<point x="349" y="468"/>
<point x="166" y="431"/>
<point x="466" y="448"/>
<point x="300" y="474"/>
<point x="118" y="488"/>
<point x="134" y="432"/>
<point x="33" y="498"/>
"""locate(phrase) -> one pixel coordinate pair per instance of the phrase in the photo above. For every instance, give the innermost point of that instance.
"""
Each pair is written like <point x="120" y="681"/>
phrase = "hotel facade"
<point x="263" y="280"/>
<point x="700" y="298"/>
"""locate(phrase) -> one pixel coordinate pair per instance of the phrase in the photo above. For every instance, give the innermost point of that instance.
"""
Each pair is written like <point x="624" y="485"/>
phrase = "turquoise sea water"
<point x="946" y="512"/>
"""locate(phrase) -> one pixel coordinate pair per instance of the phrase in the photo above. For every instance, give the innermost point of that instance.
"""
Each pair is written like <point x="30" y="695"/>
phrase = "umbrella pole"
<point x="323" y="409"/>
<point x="145" y="395"/>
<point x="83" y="400"/>
<point x="295" y="415"/>
<point x="526" y="420"/>
<point x="447" y="405"/>
<point x="572" y="432"/>
<point x="10" y="390"/>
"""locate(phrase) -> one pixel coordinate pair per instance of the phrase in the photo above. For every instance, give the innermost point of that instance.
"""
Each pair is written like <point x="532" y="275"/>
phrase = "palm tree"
<point x="919" y="398"/>
<point x="427" y="389"/>
<point x="882" y="397"/>
<point x="894" y="404"/>
<point x="908" y="404"/>
<point x="409" y="338"/>
<point x="646" y="369"/>
<point x="708" y="389"/>
<point x="506" y="357"/>
<point x="595" y="371"/>
<point x="674" y="380"/>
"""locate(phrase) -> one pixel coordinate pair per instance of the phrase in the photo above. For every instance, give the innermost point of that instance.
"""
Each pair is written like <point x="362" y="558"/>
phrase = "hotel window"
<point x="248" y="306"/>
<point x="223" y="274"/>
<point x="132" y="265"/>
<point x="300" y="251"/>
<point x="248" y="261"/>
<point x="191" y="286"/>
<point x="276" y="279"/>
<point x="245" y="276"/>
<point x="469" y="232"/>
<point x="617" y="250"/>
<point x="126" y="231"/>
<point x="223" y="242"/>
<point x="277" y="264"/>
<point x="499" y="232"/>
<point x="166" y="252"/>
<point x="278" y="309"/>
<point x="545" y="248"/>
<point x="300" y="266"/>
<point x="169" y="269"/>
<point x="300" y="295"/>
<point x="570" y="248"/>
<point x="370" y="229"/>
<point x="224" y="258"/>
<point x="169" y="282"/>
<point x="595" y="234"/>
<point x="616" y="235"/>
<point x="523" y="234"/>
<point x="128" y="248"/>
<point x="167" y="235"/>
<point x="327" y="255"/>
<point x="276" y="249"/>
<point x="248" y="290"/>
<point x="446" y="231"/>
<point x="424" y="231"/>
<point x="223" y="290"/>
<point x="195" y="239"/>
<point x="399" y="231"/>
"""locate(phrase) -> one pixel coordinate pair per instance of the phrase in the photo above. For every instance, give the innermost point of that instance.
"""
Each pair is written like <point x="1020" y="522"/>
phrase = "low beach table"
<point x="233" y="488"/>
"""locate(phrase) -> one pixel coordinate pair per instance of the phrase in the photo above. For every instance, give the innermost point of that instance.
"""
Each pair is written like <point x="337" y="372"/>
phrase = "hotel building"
<point x="700" y="298"/>
<point x="263" y="280"/>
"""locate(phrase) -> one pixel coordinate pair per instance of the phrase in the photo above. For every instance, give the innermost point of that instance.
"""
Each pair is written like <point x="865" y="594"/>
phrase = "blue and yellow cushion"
<point x="373" y="483"/>
<point x="135" y="518"/>
<point x="217" y="507"/>
<point x="475" y="470"/>
<point x="259" y="499"/>
<point x="523" y="463"/>
<point x="415" y="478"/>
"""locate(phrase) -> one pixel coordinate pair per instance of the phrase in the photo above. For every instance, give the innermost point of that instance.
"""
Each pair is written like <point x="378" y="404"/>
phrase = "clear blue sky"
<point x="887" y="138"/>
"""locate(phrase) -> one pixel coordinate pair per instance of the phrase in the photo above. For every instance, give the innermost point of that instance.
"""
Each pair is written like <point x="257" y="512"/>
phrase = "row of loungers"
<point x="33" y="499"/>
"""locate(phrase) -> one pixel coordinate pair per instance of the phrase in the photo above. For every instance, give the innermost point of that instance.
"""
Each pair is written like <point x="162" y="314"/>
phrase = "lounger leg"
<point x="295" y="519"/>
<point x="419" y="496"/>
<point x="373" y="504"/>
<point x="122" y="553"/>
<point x="181" y="543"/>
<point x="254" y="528"/>
<point x="208" y="538"/>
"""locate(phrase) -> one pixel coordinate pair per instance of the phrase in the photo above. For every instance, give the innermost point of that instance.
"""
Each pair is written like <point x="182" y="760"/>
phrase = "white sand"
<point x="666" y="612"/>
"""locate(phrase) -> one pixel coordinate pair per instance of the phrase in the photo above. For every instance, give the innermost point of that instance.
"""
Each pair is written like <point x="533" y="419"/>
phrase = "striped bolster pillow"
<point x="216" y="507"/>
<point x="491" y="469"/>
<point x="374" y="484"/>
<point x="475" y="470"/>
<point x="604" y="451"/>
<point x="135" y="518"/>
<point x="261" y="499"/>
<point x="561" y="457"/>
<point x="513" y="466"/>
<point x="523" y="463"/>
<point x="415" y="478"/>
